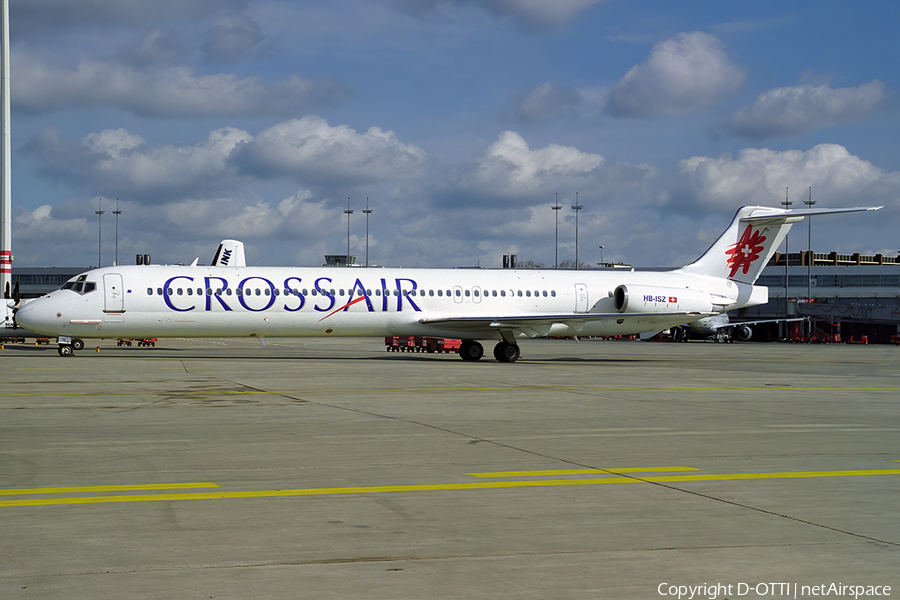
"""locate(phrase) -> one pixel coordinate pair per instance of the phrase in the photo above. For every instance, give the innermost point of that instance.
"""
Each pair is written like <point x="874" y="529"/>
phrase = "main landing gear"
<point x="470" y="350"/>
<point x="68" y="346"/>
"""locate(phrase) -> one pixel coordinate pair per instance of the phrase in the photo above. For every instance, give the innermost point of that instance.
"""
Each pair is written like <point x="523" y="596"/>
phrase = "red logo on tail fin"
<point x="745" y="251"/>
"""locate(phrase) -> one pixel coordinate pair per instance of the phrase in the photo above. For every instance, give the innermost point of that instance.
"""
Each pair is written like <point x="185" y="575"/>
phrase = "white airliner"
<point x="720" y="327"/>
<point x="504" y="305"/>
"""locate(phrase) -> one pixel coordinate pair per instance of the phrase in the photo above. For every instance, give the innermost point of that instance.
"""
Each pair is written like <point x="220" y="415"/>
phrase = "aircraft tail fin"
<point x="230" y="253"/>
<point x="743" y="251"/>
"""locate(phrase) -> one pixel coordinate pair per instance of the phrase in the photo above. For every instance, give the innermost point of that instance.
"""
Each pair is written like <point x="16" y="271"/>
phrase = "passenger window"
<point x="519" y="293"/>
<point x="190" y="291"/>
<point x="180" y="292"/>
<point x="545" y="293"/>
<point x="528" y="293"/>
<point x="149" y="291"/>
<point x="494" y="293"/>
<point x="553" y="293"/>
<point x="467" y="293"/>
<point x="503" y="293"/>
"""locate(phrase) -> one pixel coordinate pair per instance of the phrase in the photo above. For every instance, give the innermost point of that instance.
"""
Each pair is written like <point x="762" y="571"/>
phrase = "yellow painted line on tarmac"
<point x="108" y="488"/>
<point x="480" y="485"/>
<point x="598" y="471"/>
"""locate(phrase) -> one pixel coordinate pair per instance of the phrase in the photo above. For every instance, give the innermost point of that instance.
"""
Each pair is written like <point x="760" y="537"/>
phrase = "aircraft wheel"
<point x="506" y="352"/>
<point x="77" y="344"/>
<point x="66" y="350"/>
<point x="471" y="350"/>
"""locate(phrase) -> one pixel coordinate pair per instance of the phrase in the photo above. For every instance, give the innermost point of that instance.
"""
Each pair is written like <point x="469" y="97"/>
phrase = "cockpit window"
<point x="80" y="284"/>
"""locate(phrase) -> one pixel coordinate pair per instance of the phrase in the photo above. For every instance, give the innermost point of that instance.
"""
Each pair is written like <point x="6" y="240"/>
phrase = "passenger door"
<point x="581" y="298"/>
<point x="114" y="295"/>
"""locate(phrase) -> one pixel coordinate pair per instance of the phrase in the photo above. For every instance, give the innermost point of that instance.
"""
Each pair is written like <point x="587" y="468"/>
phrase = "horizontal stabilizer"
<point x="743" y="251"/>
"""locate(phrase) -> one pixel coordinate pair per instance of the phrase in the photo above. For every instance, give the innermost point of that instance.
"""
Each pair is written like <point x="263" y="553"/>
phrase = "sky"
<point x="460" y="123"/>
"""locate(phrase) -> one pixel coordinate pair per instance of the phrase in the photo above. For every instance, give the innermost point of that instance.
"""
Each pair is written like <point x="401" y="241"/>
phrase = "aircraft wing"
<point x="539" y="325"/>
<point x="758" y="322"/>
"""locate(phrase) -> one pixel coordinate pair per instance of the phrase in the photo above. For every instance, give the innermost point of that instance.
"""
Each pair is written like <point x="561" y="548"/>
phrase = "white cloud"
<point x="311" y="151"/>
<point x="760" y="176"/>
<point x="165" y="92"/>
<point x="805" y="108"/>
<point x="233" y="36"/>
<point x="550" y="99"/>
<point x="509" y="169"/>
<point x="537" y="14"/>
<point x="118" y="163"/>
<point x="682" y="75"/>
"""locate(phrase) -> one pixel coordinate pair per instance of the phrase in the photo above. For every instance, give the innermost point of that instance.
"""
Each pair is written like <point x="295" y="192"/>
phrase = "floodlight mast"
<point x="348" y="212"/>
<point x="577" y="207"/>
<point x="787" y="204"/>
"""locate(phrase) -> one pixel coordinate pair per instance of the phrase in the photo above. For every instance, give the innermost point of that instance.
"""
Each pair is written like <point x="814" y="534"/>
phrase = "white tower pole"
<point x="5" y="185"/>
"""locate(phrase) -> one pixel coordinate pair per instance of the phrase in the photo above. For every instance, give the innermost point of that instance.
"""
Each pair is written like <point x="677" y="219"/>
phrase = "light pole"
<point x="99" y="214"/>
<point x="577" y="207"/>
<point x="810" y="258"/>
<point x="348" y="212"/>
<point x="786" y="204"/>
<point x="367" y="212"/>
<point x="601" y="255"/>
<point x="117" y="212"/>
<point x="556" y="210"/>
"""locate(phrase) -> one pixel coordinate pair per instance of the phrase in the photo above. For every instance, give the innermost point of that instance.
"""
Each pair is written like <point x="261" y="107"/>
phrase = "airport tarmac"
<point x="332" y="469"/>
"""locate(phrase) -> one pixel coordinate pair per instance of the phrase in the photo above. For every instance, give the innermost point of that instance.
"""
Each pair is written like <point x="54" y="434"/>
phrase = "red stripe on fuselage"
<point x="344" y="307"/>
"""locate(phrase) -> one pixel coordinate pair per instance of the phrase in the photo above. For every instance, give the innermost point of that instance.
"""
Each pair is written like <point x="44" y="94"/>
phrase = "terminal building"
<point x="853" y="296"/>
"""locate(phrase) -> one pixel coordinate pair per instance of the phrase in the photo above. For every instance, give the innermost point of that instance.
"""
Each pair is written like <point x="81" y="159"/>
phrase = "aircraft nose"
<point x="38" y="316"/>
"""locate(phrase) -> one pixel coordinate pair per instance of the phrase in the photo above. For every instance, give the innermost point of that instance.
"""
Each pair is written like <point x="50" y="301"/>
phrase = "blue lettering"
<point x="226" y="256"/>
<point x="271" y="294"/>
<point x="166" y="295"/>
<point x="301" y="297"/>
<point x="324" y="293"/>
<point x="384" y="296"/>
<point x="362" y="292"/>
<point x="408" y="299"/>
<point x="209" y="297"/>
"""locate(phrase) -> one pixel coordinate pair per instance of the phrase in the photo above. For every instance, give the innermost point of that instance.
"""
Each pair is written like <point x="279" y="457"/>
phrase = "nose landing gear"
<point x="68" y="346"/>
